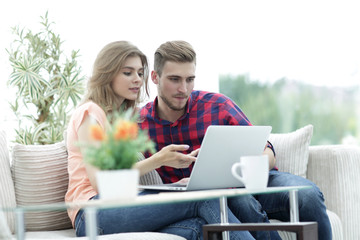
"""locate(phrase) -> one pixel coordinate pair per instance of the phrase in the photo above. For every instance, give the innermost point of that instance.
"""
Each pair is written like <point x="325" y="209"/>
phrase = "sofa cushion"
<point x="292" y="150"/>
<point x="70" y="234"/>
<point x="40" y="177"/>
<point x="4" y="228"/>
<point x="7" y="193"/>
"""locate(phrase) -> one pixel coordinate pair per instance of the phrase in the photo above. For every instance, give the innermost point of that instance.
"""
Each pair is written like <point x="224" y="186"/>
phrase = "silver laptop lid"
<point x="222" y="146"/>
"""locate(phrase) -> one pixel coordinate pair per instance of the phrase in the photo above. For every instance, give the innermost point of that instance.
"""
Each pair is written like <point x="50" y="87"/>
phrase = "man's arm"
<point x="235" y="116"/>
<point x="270" y="152"/>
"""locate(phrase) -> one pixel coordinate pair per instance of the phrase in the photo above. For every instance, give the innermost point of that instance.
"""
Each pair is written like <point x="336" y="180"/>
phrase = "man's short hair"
<point x="173" y="51"/>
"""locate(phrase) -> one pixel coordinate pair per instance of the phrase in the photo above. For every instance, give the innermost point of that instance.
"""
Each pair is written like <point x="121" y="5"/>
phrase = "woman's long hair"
<point x="107" y="65"/>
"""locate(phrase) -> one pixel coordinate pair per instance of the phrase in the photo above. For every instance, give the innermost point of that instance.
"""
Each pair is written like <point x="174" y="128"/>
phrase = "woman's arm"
<point x="168" y="156"/>
<point x="84" y="136"/>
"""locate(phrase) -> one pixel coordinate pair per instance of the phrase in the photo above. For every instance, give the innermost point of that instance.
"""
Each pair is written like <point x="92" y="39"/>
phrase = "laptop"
<point x="222" y="146"/>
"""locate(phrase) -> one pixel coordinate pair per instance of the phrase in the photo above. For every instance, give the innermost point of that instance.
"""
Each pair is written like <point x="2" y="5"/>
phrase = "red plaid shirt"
<point x="202" y="110"/>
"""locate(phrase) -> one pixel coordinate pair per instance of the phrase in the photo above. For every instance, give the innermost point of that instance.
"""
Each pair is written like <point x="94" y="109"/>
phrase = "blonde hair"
<point x="173" y="51"/>
<point x="107" y="65"/>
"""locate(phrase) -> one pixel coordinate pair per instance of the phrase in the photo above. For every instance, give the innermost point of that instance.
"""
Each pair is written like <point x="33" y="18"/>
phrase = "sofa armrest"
<point x="335" y="169"/>
<point x="151" y="178"/>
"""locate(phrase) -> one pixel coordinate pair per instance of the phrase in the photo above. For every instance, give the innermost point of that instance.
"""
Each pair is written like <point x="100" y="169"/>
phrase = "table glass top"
<point x="149" y="199"/>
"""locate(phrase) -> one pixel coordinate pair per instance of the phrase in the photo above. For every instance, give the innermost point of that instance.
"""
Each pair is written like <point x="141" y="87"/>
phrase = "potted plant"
<point x="114" y="151"/>
<point x="49" y="84"/>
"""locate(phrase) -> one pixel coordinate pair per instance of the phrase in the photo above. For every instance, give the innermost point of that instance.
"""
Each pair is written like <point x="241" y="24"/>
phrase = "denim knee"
<point x="189" y="228"/>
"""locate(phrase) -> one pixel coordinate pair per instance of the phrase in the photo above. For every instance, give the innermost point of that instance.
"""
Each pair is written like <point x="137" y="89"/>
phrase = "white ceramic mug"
<point x="254" y="171"/>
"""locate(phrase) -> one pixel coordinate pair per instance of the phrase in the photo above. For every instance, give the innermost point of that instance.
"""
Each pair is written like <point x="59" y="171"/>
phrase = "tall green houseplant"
<point x="48" y="84"/>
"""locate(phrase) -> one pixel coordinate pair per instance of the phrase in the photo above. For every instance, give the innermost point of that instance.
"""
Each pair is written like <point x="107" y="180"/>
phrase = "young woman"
<point x="119" y="76"/>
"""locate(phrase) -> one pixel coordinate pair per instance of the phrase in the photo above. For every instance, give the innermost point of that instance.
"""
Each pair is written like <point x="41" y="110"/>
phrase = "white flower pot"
<point x="118" y="184"/>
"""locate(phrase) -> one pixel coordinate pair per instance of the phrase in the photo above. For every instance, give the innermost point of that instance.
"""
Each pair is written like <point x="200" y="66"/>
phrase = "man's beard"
<point x="171" y="106"/>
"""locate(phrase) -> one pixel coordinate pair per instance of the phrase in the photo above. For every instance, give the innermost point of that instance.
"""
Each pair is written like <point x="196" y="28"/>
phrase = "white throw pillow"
<point x="7" y="193"/>
<point x="292" y="150"/>
<point x="40" y="177"/>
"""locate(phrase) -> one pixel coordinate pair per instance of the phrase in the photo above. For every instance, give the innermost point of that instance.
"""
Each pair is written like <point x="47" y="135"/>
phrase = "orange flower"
<point x="126" y="130"/>
<point x="133" y="130"/>
<point x="96" y="132"/>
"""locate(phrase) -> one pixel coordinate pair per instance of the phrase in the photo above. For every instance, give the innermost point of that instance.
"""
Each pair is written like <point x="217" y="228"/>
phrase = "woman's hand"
<point x="171" y="156"/>
<point x="194" y="153"/>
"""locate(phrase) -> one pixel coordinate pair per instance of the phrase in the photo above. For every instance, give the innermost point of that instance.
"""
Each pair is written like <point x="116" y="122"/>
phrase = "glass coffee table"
<point x="91" y="207"/>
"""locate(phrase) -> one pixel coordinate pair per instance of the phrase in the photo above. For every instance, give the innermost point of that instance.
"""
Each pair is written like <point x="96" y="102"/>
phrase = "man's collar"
<point x="188" y="107"/>
<point x="154" y="112"/>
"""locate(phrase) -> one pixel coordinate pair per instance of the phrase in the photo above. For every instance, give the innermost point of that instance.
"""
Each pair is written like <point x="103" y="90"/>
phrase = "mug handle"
<point x="234" y="168"/>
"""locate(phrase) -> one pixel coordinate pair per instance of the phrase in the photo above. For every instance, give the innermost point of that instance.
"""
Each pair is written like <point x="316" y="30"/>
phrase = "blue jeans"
<point x="276" y="206"/>
<point x="248" y="210"/>
<point x="172" y="218"/>
<point x="189" y="228"/>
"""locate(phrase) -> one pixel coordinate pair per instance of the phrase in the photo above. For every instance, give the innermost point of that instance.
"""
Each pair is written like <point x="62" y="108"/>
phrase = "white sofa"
<point x="38" y="175"/>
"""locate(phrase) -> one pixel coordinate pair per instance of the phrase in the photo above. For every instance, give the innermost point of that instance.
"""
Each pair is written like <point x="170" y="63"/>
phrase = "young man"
<point x="180" y="115"/>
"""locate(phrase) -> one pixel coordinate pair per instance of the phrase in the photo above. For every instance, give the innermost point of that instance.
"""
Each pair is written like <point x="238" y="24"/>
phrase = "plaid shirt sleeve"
<point x="236" y="117"/>
<point x="233" y="114"/>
